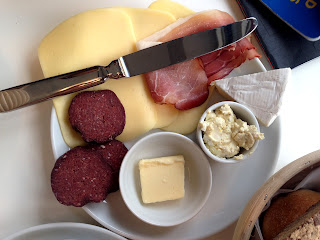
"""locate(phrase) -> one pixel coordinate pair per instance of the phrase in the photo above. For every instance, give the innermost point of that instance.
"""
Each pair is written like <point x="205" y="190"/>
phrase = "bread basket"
<point x="287" y="177"/>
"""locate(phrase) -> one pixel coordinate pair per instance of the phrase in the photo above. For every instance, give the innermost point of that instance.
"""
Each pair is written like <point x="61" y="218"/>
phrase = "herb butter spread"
<point x="224" y="134"/>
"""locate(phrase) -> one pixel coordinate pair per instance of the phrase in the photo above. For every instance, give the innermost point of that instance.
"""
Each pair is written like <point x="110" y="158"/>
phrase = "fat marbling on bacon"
<point x="185" y="85"/>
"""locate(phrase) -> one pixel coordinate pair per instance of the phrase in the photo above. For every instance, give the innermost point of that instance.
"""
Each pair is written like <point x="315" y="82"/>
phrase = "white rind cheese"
<point x="261" y="92"/>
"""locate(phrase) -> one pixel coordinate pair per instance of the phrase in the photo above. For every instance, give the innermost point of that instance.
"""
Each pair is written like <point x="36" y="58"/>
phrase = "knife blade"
<point x="143" y="61"/>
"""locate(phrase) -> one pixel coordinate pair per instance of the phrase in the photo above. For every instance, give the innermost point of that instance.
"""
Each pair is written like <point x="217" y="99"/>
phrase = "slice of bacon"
<point x="185" y="85"/>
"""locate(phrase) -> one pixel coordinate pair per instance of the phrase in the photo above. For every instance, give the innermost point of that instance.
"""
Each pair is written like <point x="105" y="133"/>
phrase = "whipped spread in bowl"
<point x="225" y="135"/>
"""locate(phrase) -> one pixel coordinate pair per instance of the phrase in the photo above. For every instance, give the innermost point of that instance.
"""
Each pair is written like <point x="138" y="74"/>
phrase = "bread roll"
<point x="307" y="227"/>
<point x="286" y="209"/>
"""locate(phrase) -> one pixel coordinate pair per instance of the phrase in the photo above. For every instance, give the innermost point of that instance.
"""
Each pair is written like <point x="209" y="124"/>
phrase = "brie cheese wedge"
<point x="261" y="92"/>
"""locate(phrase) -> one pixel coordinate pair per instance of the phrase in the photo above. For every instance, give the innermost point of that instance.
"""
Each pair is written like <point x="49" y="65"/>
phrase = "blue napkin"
<point x="283" y="46"/>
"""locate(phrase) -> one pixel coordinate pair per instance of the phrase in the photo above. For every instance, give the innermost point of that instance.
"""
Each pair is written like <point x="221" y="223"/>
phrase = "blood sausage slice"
<point x="98" y="115"/>
<point x="81" y="176"/>
<point x="112" y="153"/>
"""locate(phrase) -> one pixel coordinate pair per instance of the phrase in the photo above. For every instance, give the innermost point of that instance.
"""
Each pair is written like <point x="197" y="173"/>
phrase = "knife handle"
<point x="38" y="91"/>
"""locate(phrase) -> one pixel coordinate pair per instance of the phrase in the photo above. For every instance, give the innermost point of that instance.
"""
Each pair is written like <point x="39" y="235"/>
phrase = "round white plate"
<point x="233" y="185"/>
<point x="67" y="231"/>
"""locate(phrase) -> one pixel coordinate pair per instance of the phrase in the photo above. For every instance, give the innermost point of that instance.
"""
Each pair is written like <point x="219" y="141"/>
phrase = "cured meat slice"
<point x="175" y="84"/>
<point x="98" y="115"/>
<point x="229" y="58"/>
<point x="187" y="87"/>
<point x="81" y="176"/>
<point x="210" y="57"/>
<point x="197" y="22"/>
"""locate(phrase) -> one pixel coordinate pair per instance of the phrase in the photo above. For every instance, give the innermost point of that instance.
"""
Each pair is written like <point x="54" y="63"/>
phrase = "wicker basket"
<point x="287" y="177"/>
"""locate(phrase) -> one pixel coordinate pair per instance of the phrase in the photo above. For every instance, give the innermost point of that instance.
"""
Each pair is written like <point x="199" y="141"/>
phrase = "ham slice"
<point x="185" y="85"/>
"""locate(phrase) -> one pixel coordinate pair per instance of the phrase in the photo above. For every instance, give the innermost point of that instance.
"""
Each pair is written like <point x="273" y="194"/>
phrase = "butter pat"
<point x="162" y="178"/>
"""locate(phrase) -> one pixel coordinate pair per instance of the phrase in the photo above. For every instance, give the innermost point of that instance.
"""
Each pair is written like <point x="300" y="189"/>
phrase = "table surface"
<point x="27" y="159"/>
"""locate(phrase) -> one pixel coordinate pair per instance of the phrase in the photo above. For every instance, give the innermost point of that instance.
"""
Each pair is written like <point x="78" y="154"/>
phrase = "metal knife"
<point x="143" y="61"/>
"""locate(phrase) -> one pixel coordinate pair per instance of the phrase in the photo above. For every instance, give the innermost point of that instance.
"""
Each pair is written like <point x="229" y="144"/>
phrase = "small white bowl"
<point x="241" y="112"/>
<point x="198" y="179"/>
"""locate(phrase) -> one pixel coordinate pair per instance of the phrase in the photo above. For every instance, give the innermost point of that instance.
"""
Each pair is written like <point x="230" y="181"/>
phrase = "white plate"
<point x="67" y="231"/>
<point x="233" y="185"/>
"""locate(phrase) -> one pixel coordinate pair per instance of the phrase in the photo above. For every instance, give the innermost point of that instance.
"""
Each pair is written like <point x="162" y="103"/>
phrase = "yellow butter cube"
<point x="162" y="178"/>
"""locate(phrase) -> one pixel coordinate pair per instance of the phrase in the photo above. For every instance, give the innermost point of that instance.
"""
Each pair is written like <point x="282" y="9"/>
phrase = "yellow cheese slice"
<point x="95" y="38"/>
<point x="147" y="21"/>
<point x="85" y="40"/>
<point x="144" y="23"/>
<point x="176" y="9"/>
<point x="166" y="114"/>
<point x="187" y="120"/>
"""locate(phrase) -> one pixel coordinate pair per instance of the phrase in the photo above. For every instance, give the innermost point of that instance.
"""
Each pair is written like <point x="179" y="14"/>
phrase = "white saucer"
<point x="67" y="231"/>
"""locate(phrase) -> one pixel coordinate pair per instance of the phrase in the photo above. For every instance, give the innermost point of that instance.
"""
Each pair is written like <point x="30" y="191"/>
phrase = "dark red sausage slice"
<point x="81" y="176"/>
<point x="98" y="115"/>
<point x="113" y="153"/>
